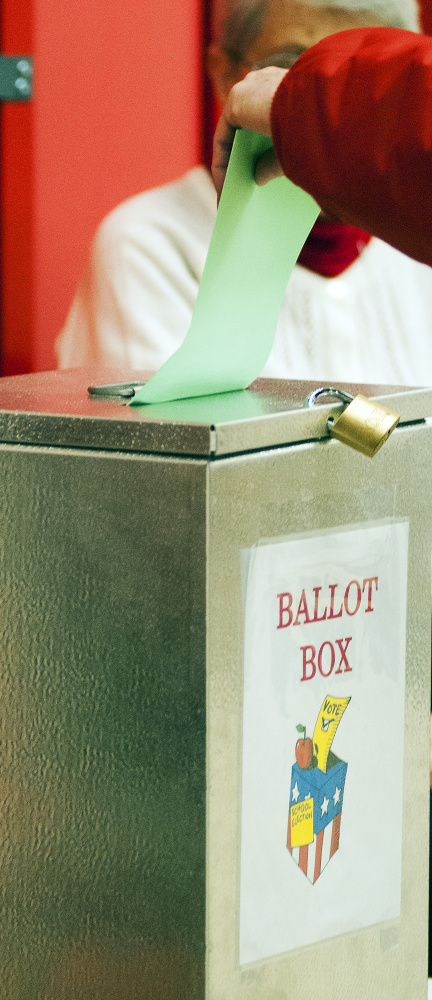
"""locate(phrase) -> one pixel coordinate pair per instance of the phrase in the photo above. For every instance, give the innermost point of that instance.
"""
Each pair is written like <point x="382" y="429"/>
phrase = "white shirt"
<point x="135" y="300"/>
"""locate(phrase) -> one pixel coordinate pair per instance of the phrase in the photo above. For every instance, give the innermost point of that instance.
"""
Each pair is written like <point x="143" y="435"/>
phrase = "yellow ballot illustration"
<point x="329" y="716"/>
<point x="302" y="816"/>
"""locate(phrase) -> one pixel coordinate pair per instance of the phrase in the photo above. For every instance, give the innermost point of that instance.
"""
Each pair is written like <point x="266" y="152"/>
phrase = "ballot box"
<point x="215" y="691"/>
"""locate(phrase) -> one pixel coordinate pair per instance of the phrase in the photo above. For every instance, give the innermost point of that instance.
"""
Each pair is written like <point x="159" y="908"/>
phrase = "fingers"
<point x="267" y="168"/>
<point x="248" y="106"/>
<point x="222" y="145"/>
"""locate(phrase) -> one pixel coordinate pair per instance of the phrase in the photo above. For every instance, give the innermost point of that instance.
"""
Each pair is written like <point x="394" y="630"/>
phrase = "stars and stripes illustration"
<point x="312" y="858"/>
<point x="316" y="797"/>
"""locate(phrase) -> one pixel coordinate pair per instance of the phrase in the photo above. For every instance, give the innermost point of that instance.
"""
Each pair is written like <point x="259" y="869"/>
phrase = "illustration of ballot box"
<point x="125" y="540"/>
<point x="314" y="819"/>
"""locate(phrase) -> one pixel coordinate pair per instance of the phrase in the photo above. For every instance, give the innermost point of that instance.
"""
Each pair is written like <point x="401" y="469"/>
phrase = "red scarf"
<point x="331" y="247"/>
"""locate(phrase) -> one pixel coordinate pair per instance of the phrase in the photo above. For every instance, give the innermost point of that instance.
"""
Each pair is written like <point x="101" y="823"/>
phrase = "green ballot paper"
<point x="258" y="235"/>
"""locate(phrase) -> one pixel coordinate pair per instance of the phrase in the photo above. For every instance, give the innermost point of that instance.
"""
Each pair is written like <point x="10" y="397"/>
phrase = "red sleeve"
<point x="352" y="125"/>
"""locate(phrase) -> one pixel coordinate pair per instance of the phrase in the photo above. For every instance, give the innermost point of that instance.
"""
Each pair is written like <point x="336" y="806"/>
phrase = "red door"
<point x="116" y="109"/>
<point x="16" y="203"/>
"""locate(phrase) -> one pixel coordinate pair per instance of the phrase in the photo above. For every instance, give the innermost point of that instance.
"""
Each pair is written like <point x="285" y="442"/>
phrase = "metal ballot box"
<point x="214" y="714"/>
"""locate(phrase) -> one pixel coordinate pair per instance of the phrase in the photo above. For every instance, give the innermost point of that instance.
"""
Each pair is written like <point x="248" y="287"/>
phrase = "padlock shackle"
<point x="343" y="397"/>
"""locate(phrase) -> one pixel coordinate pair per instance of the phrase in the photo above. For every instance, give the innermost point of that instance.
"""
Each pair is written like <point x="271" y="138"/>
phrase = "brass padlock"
<point x="363" y="424"/>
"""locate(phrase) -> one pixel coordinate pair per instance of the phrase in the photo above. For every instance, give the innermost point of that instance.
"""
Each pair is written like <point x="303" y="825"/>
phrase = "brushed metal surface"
<point x="54" y="408"/>
<point x="102" y="726"/>
<point x="120" y="722"/>
<point x="279" y="493"/>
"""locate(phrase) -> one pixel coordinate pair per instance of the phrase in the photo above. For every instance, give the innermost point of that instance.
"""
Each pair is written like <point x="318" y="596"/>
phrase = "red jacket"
<point x="352" y="124"/>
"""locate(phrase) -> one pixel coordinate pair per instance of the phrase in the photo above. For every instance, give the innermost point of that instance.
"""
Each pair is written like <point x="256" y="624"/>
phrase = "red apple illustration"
<point x="303" y="749"/>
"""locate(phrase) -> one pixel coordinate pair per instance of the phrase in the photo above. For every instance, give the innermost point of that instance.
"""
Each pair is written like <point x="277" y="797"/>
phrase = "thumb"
<point x="267" y="168"/>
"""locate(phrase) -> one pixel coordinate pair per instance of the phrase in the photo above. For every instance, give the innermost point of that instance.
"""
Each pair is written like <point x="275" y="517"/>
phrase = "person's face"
<point x="288" y="29"/>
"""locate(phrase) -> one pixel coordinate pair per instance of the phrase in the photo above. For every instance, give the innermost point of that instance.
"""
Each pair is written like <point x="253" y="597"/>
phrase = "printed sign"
<point x="323" y="723"/>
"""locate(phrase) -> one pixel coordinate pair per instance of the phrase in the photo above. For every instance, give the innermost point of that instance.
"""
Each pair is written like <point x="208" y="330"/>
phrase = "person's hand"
<point x="248" y="106"/>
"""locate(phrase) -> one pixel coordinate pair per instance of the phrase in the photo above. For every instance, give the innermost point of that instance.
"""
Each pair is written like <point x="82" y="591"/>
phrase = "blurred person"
<point x="355" y="309"/>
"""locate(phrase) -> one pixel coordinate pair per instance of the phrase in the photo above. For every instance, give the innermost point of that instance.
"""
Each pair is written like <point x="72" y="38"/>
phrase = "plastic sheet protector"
<point x="323" y="737"/>
<point x="258" y="235"/>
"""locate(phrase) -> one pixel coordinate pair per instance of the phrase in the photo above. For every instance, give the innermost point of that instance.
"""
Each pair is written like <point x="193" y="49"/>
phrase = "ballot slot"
<point x="115" y="390"/>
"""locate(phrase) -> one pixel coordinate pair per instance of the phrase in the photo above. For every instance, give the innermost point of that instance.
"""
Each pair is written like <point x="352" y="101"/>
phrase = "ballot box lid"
<point x="55" y="408"/>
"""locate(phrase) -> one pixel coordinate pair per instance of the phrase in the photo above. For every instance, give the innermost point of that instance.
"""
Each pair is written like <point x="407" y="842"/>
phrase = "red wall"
<point x="116" y="109"/>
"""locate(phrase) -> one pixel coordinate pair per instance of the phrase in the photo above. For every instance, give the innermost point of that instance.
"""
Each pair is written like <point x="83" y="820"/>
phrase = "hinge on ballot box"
<point x="363" y="424"/>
